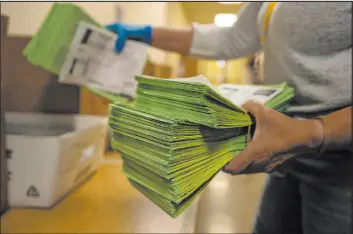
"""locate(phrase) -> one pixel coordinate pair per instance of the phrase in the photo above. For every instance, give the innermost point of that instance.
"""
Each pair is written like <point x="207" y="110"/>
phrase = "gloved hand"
<point x="142" y="33"/>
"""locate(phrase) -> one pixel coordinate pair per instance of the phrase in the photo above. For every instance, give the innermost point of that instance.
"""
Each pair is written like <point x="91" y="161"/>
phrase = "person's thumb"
<point x="112" y="27"/>
<point x="121" y="36"/>
<point x="120" y="41"/>
<point x="254" y="108"/>
<point x="243" y="162"/>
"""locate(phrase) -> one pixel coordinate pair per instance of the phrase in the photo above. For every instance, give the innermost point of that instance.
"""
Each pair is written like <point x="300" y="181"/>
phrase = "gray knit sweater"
<point x="308" y="44"/>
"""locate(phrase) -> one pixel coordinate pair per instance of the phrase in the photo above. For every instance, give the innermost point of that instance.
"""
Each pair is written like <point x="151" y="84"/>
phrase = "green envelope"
<point x="167" y="159"/>
<point x="49" y="46"/>
<point x="51" y="43"/>
<point x="198" y="103"/>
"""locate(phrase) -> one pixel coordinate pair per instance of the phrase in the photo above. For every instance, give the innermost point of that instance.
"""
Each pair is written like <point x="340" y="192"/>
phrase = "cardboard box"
<point x="51" y="155"/>
<point x="29" y="88"/>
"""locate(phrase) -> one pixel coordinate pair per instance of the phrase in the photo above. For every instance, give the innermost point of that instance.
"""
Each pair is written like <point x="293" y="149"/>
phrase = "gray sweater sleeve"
<point x="240" y="40"/>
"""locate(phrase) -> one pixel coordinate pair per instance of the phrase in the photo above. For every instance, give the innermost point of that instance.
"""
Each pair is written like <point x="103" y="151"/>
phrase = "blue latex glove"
<point x="142" y="33"/>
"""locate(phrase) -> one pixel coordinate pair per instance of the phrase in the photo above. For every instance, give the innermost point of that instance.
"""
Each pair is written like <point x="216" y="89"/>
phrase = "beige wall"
<point x="26" y="17"/>
<point x="154" y="13"/>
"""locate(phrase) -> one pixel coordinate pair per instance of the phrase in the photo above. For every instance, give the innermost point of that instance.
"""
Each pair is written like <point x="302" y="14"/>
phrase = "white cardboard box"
<point x="51" y="155"/>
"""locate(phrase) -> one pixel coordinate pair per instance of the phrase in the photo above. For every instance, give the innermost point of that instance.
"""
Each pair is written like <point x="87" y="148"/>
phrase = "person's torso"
<point x="309" y="45"/>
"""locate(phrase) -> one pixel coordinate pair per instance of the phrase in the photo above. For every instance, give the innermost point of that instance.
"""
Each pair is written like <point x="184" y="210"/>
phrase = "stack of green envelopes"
<point x="197" y="102"/>
<point x="178" y="135"/>
<point x="170" y="161"/>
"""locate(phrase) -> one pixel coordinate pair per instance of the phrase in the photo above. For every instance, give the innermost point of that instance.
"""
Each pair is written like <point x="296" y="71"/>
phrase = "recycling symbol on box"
<point x="32" y="191"/>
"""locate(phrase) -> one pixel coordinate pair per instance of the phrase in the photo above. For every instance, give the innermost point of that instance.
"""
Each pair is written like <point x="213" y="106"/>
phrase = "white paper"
<point x="196" y="79"/>
<point x="239" y="94"/>
<point x="92" y="61"/>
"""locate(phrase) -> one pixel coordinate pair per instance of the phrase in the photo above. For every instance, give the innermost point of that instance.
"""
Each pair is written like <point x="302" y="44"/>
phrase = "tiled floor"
<point x="108" y="204"/>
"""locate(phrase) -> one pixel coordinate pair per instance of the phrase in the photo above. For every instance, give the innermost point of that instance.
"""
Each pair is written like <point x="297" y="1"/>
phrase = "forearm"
<point x="173" y="39"/>
<point x="204" y="41"/>
<point x="338" y="130"/>
<point x="211" y="42"/>
<point x="331" y="132"/>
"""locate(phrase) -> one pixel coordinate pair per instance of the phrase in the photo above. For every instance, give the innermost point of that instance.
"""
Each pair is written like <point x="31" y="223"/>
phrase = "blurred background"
<point x="107" y="203"/>
<point x="27" y="17"/>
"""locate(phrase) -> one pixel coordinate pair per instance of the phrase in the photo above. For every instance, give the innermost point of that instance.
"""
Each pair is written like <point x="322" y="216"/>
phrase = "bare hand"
<point x="277" y="138"/>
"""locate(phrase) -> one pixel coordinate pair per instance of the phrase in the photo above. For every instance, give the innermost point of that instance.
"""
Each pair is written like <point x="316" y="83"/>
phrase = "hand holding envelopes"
<point x="175" y="139"/>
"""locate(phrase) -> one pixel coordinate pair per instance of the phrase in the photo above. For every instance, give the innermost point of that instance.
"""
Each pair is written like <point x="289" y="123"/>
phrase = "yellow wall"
<point x="209" y="69"/>
<point x="204" y="12"/>
<point x="235" y="71"/>
<point x="176" y="18"/>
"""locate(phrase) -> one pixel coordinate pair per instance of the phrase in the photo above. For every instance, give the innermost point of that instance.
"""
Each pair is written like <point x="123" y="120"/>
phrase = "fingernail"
<point x="226" y="170"/>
